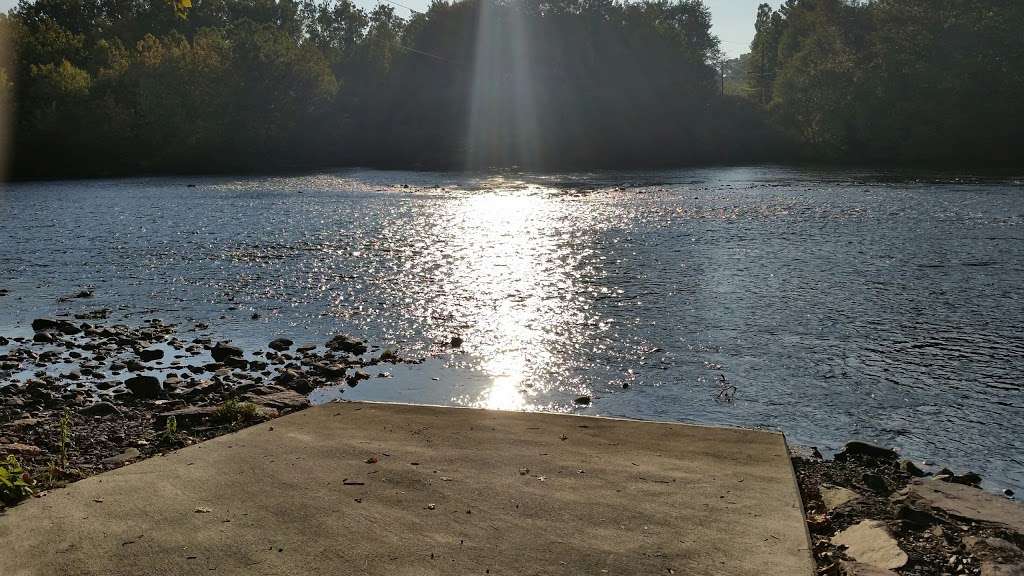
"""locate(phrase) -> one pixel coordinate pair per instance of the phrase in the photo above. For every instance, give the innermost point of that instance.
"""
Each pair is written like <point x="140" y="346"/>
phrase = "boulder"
<point x="869" y="542"/>
<point x="144" y="386"/>
<point x="221" y="351"/>
<point x="281" y="344"/>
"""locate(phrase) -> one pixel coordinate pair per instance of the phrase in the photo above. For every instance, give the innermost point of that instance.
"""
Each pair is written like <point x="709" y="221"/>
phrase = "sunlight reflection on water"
<point x="840" y="304"/>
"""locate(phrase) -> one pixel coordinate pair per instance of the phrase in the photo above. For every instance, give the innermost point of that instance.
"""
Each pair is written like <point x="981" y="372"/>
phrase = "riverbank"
<point x="81" y="398"/>
<point x="871" y="513"/>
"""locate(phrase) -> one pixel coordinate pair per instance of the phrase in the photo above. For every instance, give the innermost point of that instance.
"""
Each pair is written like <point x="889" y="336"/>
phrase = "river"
<point x="840" y="304"/>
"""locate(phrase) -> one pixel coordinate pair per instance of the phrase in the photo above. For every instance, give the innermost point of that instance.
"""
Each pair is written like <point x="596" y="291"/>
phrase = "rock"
<point x="835" y="496"/>
<point x="910" y="469"/>
<point x="356" y="377"/>
<point x="150" y="354"/>
<point x="968" y="479"/>
<point x="185" y="416"/>
<point x="456" y="342"/>
<point x="998" y="557"/>
<point x="99" y="409"/>
<point x="126" y="456"/>
<point x="221" y="351"/>
<point x="305" y="348"/>
<point x="965" y="502"/>
<point x="582" y="401"/>
<point x="869" y="542"/>
<point x="992" y="548"/>
<point x="863" y="449"/>
<point x="24" y="422"/>
<point x="62" y="326"/>
<point x="45" y="337"/>
<point x="1007" y="492"/>
<point x="331" y="370"/>
<point x="283" y="400"/>
<point x="858" y="569"/>
<point x="875" y="483"/>
<point x="989" y="568"/>
<point x="237" y="363"/>
<point x="203" y="388"/>
<point x="144" y="386"/>
<point x="18" y="448"/>
<point x="805" y="452"/>
<point x="280" y="344"/>
<point x="912" y="515"/>
<point x="347" y="344"/>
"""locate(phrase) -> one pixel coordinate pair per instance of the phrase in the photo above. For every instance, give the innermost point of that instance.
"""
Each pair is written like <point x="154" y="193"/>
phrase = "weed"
<point x="15" y="482"/>
<point x="235" y="412"/>
<point x="59" y="466"/>
<point x="170" y="435"/>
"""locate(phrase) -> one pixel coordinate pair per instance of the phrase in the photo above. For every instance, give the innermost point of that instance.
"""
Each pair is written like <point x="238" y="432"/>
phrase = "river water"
<point x="840" y="304"/>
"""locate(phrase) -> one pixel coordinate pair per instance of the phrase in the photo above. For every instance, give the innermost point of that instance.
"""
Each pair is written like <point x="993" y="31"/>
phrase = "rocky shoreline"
<point x="80" y="398"/>
<point x="871" y="513"/>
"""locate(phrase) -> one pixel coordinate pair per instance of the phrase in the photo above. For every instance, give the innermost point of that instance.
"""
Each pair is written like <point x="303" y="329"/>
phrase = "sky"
<point x="733" y="19"/>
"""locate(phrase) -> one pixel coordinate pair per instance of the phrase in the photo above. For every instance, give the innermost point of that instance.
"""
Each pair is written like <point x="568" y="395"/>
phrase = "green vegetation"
<point x="59" y="468"/>
<point x="105" y="87"/>
<point x="15" y="483"/>
<point x="908" y="81"/>
<point x="235" y="412"/>
<point x="138" y="86"/>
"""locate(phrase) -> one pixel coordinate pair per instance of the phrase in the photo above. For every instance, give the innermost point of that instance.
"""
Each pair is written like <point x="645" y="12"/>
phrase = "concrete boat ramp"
<point x="362" y="488"/>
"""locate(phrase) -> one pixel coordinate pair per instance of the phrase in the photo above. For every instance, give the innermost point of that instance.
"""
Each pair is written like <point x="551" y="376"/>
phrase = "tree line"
<point x="105" y="87"/>
<point x="938" y="82"/>
<point x="146" y="86"/>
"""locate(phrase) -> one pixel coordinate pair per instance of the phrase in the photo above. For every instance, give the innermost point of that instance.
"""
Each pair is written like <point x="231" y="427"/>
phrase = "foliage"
<point x="104" y="87"/>
<point x="15" y="482"/>
<point x="935" y="81"/>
